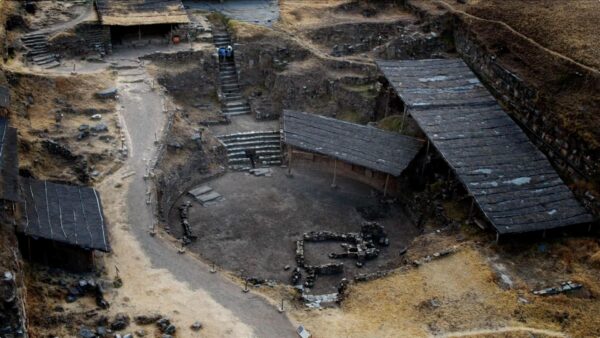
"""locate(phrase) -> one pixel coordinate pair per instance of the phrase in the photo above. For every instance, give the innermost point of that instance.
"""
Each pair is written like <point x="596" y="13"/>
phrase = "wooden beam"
<point x="333" y="183"/>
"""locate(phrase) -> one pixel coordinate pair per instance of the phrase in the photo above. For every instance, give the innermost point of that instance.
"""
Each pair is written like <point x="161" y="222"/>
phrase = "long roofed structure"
<point x="141" y="12"/>
<point x="369" y="147"/>
<point x="511" y="181"/>
<point x="9" y="163"/>
<point x="63" y="213"/>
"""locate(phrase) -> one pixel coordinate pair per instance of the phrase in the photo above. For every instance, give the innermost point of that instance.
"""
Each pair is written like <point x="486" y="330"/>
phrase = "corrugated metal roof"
<point x="369" y="147"/>
<point x="512" y="182"/>
<point x="63" y="213"/>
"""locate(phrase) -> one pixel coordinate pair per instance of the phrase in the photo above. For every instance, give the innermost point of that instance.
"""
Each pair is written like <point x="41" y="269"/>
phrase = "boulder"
<point x="120" y="322"/>
<point x="109" y="93"/>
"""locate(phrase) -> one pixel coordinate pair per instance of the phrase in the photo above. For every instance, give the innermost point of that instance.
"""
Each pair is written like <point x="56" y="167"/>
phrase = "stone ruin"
<point x="361" y="246"/>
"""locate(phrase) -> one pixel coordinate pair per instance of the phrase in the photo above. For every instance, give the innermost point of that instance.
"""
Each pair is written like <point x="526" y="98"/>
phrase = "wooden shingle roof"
<point x="512" y="182"/>
<point x="369" y="147"/>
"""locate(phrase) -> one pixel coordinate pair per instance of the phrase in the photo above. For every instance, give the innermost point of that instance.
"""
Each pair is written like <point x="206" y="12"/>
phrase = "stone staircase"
<point x="231" y="95"/>
<point x="266" y="145"/>
<point x="38" y="52"/>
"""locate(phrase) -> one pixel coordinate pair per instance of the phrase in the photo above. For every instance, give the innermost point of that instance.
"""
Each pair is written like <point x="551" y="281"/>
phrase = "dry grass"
<point x="567" y="27"/>
<point x="461" y="287"/>
<point x="37" y="121"/>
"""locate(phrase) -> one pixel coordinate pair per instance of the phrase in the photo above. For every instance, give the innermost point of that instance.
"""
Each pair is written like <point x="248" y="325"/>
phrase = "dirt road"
<point x="151" y="263"/>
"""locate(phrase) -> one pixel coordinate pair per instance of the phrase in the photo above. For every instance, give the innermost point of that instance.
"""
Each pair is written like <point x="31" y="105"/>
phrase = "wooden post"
<point x="385" y="187"/>
<point x="470" y="219"/>
<point x="333" y="185"/>
<point x="29" y="248"/>
<point x="497" y="238"/>
<point x="290" y="152"/>
<point x="425" y="161"/>
<point x="403" y="119"/>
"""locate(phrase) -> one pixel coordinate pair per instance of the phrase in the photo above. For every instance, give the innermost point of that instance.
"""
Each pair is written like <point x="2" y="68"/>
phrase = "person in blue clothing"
<point x="222" y="53"/>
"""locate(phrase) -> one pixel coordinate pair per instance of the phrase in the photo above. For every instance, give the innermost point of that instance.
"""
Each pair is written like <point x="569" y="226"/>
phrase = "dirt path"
<point x="504" y="330"/>
<point x="156" y="277"/>
<point x="88" y="13"/>
<point x="514" y="31"/>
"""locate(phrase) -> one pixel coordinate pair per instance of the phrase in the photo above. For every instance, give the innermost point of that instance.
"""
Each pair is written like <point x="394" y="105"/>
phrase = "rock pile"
<point x="85" y="287"/>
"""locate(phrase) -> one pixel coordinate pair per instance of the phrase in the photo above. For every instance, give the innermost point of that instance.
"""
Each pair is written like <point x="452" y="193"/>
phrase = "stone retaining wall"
<point x="566" y="151"/>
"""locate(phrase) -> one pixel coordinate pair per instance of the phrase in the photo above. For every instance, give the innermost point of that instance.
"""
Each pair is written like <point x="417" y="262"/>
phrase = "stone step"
<point x="259" y="146"/>
<point x="211" y="196"/>
<point x="241" y="140"/>
<point x="261" y="154"/>
<point x="246" y="161"/>
<point x="235" y="103"/>
<point x="53" y="64"/>
<point x="232" y="76"/>
<point x="33" y="53"/>
<point x="27" y="38"/>
<point x="230" y="84"/>
<point x="200" y="191"/>
<point x="263" y="146"/>
<point x="45" y="61"/>
<point x="236" y="113"/>
<point x="37" y="45"/>
<point x="232" y="96"/>
<point x="44" y="57"/>
<point x="249" y="133"/>
<point x="235" y="109"/>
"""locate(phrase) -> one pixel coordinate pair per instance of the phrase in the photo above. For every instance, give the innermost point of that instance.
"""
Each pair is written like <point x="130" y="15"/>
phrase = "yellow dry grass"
<point x="398" y="305"/>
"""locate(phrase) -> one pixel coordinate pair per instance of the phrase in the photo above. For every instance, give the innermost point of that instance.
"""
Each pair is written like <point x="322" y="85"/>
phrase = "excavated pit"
<point x="252" y="229"/>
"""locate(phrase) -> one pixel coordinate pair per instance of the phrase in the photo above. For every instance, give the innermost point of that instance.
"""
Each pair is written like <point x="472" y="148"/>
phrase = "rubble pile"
<point x="11" y="324"/>
<point x="85" y="287"/>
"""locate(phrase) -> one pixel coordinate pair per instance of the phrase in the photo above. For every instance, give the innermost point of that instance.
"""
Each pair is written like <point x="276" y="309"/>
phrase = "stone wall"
<point x="276" y="74"/>
<point x="190" y="155"/>
<point x="570" y="154"/>
<point x="82" y="41"/>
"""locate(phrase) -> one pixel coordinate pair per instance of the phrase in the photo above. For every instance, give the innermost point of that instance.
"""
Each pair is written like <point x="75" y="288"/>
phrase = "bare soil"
<point x="252" y="231"/>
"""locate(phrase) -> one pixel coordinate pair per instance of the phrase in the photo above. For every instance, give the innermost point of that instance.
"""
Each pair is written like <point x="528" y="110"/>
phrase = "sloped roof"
<point x="9" y="163"/>
<point x="63" y="213"/>
<point x="369" y="147"/>
<point x="141" y="12"/>
<point x="512" y="182"/>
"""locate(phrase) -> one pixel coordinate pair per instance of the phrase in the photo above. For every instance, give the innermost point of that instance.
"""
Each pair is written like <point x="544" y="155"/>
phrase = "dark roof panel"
<point x="362" y="145"/>
<point x="513" y="183"/>
<point x="9" y="163"/>
<point x="63" y="213"/>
